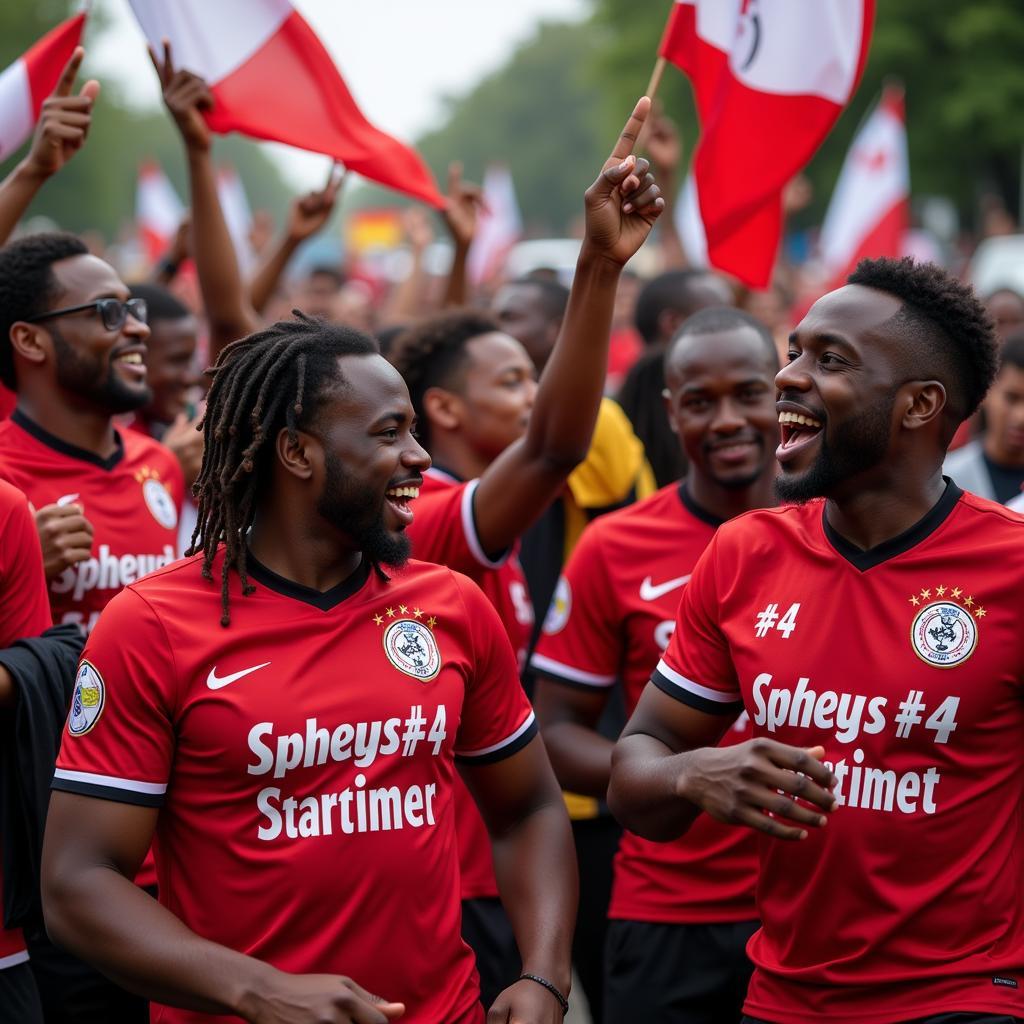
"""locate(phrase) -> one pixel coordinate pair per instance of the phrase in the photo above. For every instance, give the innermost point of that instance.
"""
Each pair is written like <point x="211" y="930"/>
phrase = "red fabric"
<point x="8" y="400"/>
<point x="752" y="143"/>
<point x="290" y="91"/>
<point x="613" y="616"/>
<point x="303" y="820"/>
<point x="47" y="57"/>
<point x="910" y="903"/>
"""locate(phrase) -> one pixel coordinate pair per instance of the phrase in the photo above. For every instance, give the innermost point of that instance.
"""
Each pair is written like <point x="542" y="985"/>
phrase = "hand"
<point x="462" y="209"/>
<point x="309" y="213"/>
<point x="664" y="145"/>
<point x="624" y="202"/>
<point x="418" y="229"/>
<point x="65" y="535"/>
<point x="741" y="784"/>
<point x="261" y="230"/>
<point x="63" y="122"/>
<point x="185" y="440"/>
<point x="301" y="998"/>
<point x="525" y="1002"/>
<point x="186" y="96"/>
<point x="181" y="244"/>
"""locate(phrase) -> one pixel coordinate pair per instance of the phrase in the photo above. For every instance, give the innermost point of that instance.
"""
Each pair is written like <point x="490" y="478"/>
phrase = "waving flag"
<point x="30" y="79"/>
<point x="237" y="215"/>
<point x="870" y="209"/>
<point x="271" y="78"/>
<point x="769" y="77"/>
<point x="158" y="210"/>
<point x="501" y="225"/>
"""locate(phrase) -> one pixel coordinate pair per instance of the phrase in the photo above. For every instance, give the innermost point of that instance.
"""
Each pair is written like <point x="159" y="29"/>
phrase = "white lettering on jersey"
<point x="109" y="572"/>
<point x="215" y="682"/>
<point x="650" y="591"/>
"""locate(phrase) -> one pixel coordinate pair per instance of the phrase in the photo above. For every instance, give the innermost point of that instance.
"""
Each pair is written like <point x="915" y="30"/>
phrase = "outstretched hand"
<point x="624" y="202"/>
<point x="462" y="209"/>
<point x="186" y="96"/>
<point x="63" y="121"/>
<point x="309" y="213"/>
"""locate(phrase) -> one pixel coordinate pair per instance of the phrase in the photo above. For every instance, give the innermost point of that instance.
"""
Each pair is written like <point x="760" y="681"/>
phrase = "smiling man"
<point x="872" y="632"/>
<point x="285" y="712"/>
<point x="681" y="912"/>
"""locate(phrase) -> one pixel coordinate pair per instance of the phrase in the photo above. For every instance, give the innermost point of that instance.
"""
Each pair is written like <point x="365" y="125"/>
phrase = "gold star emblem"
<point x="403" y="608"/>
<point x="417" y="613"/>
<point x="940" y="591"/>
<point x="969" y="601"/>
<point x="956" y="591"/>
<point x="914" y="600"/>
<point x="389" y="612"/>
<point x="432" y="621"/>
<point x="378" y="620"/>
<point x="980" y="613"/>
<point x="925" y="594"/>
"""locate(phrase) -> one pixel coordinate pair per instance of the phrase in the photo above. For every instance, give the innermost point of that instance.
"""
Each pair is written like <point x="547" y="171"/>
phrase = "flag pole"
<point x="652" y="89"/>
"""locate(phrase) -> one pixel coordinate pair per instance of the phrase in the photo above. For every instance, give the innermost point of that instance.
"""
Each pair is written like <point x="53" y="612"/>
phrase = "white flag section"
<point x="237" y="216"/>
<point x="501" y="225"/>
<point x="689" y="225"/>
<point x="868" y="213"/>
<point x="158" y="210"/>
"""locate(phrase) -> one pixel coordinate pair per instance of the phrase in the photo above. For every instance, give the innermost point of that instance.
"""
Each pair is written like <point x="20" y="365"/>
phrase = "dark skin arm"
<point x="568" y="717"/>
<point x="92" y="850"/>
<point x="220" y="280"/>
<point x="621" y="208"/>
<point x="461" y="214"/>
<point x="666" y="769"/>
<point x="535" y="866"/>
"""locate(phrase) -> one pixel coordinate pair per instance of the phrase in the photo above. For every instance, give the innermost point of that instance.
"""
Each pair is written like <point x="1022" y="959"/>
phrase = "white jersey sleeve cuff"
<point x="703" y="698"/>
<point x="469" y="529"/>
<point x="110" y="787"/>
<point x="504" y="748"/>
<point x="568" y="674"/>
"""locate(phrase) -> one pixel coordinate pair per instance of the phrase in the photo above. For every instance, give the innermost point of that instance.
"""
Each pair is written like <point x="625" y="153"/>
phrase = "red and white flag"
<point x="769" y="77"/>
<point x="271" y="78"/>
<point x="31" y="78"/>
<point x="158" y="210"/>
<point x="870" y="209"/>
<point x="501" y="225"/>
<point x="234" y="204"/>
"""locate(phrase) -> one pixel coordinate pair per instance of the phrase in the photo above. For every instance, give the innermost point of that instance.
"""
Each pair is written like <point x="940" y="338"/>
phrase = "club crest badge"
<point x="87" y="701"/>
<point x="158" y="499"/>
<point x="412" y="649"/>
<point x="944" y="634"/>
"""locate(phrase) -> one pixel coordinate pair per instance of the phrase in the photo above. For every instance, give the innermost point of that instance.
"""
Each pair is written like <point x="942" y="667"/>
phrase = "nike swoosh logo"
<point x="215" y="682"/>
<point x="651" y="592"/>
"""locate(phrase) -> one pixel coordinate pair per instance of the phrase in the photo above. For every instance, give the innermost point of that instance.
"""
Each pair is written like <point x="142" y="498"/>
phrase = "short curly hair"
<point x="28" y="286"/>
<point x="948" y="330"/>
<point x="432" y="354"/>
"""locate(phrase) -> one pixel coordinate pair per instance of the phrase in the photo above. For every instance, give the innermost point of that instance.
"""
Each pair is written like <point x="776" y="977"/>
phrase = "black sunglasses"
<point x="113" y="312"/>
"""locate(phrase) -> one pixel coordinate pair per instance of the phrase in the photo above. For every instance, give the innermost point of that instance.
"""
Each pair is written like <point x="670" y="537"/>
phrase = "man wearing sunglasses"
<point x="73" y="347"/>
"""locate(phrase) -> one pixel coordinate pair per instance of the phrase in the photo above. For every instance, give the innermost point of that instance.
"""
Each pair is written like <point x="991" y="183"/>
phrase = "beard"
<point x="94" y="379"/>
<point x="859" y="443"/>
<point x="358" y="511"/>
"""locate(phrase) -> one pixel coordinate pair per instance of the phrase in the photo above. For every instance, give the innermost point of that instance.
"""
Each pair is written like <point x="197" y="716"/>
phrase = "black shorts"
<point x="942" y="1018"/>
<point x="19" y="998"/>
<point x="487" y="931"/>
<point x="676" y="973"/>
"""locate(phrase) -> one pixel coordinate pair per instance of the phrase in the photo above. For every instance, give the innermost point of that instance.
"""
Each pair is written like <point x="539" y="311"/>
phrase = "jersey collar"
<point x="921" y="530"/>
<point x="696" y="510"/>
<point x="324" y="600"/>
<point x="72" y="451"/>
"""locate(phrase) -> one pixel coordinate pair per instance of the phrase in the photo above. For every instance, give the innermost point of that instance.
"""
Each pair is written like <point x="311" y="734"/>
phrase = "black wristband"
<point x="562" y="1001"/>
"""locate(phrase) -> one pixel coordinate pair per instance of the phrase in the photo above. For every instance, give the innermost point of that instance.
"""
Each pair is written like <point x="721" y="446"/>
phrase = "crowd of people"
<point x="363" y="658"/>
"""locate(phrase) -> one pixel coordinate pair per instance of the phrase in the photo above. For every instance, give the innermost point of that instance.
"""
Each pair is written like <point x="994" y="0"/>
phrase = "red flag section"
<point x="271" y="78"/>
<point x="769" y="78"/>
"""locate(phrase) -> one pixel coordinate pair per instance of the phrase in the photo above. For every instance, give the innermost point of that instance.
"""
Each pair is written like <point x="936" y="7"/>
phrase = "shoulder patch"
<point x="87" y="701"/>
<point x="559" y="609"/>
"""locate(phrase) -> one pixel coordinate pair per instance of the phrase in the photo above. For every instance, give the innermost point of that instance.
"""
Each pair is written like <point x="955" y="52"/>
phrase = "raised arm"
<point x="59" y="135"/>
<point x="461" y="214"/>
<point x="92" y="908"/>
<point x="306" y="216"/>
<point x="621" y="207"/>
<point x="220" y="280"/>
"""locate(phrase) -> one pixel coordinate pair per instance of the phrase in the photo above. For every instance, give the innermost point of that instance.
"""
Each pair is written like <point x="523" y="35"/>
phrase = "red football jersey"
<point x="132" y="499"/>
<point x="24" y="611"/>
<point x="906" y="663"/>
<point x="304" y="763"/>
<point x="444" y="531"/>
<point x="612" y="616"/>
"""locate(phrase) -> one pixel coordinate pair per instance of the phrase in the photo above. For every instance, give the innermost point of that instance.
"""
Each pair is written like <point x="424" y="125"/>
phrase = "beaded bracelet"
<point x="562" y="1001"/>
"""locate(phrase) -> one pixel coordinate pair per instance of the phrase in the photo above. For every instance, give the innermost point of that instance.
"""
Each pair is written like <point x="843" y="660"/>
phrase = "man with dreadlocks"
<point x="282" y="712"/>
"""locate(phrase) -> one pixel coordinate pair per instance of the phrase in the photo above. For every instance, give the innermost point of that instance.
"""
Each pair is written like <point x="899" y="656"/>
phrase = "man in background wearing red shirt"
<point x="872" y="632"/>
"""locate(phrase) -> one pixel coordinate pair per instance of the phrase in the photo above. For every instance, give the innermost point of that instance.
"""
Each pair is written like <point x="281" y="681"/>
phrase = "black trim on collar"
<point x="72" y="451"/>
<point x="695" y="510"/>
<point x="921" y="530"/>
<point x="324" y="600"/>
<point x="441" y="471"/>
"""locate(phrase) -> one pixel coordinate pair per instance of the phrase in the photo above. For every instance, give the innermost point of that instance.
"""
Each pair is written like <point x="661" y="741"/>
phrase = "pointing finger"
<point x="67" y="77"/>
<point x="628" y="135"/>
<point x="91" y="89"/>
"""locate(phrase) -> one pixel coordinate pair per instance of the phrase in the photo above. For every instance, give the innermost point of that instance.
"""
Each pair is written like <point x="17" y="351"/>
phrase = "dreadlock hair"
<point x="950" y="333"/>
<point x="28" y="286"/>
<point x="432" y="354"/>
<point x="271" y="380"/>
